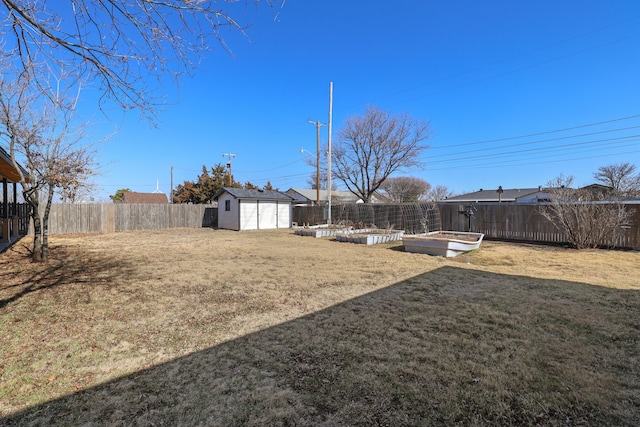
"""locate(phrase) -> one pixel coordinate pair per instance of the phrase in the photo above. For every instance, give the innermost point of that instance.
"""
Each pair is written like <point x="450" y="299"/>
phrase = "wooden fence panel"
<point x="112" y="217"/>
<point x="523" y="222"/>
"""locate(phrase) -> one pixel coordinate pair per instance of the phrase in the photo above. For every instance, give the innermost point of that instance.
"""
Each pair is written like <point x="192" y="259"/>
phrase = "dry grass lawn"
<point x="218" y="328"/>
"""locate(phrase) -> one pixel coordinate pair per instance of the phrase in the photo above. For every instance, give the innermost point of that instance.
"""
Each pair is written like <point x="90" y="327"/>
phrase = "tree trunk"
<point x="31" y="196"/>
<point x="37" y="234"/>
<point x="45" y="225"/>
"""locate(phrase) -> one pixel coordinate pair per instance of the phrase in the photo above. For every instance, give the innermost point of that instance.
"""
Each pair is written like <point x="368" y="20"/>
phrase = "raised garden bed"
<point x="369" y="236"/>
<point x="443" y="243"/>
<point x="320" y="230"/>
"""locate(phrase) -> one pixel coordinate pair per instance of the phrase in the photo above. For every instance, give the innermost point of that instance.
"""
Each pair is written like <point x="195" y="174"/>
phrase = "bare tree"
<point x="589" y="218"/>
<point x="403" y="189"/>
<point x="621" y="177"/>
<point x="439" y="192"/>
<point x="41" y="133"/>
<point x="128" y="47"/>
<point x="373" y="146"/>
<point x="311" y="181"/>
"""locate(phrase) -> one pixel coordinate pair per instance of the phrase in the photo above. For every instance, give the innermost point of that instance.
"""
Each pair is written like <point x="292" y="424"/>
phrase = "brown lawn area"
<point x="219" y="328"/>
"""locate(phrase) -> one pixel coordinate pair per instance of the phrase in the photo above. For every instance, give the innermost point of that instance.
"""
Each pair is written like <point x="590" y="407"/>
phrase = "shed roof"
<point x="243" y="193"/>
<point x="144" y="198"/>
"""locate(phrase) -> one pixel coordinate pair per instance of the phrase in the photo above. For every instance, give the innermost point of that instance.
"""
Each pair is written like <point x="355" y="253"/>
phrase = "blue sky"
<point x="484" y="74"/>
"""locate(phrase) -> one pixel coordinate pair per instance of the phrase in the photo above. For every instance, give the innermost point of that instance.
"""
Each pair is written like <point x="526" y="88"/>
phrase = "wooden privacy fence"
<point x="523" y="222"/>
<point x="116" y="217"/>
<point x="506" y="221"/>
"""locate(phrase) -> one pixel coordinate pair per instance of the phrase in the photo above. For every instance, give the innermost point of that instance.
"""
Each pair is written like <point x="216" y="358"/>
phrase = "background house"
<point x="304" y="196"/>
<point x="144" y="198"/>
<point x="508" y="195"/>
<point x="529" y="195"/>
<point x="243" y="209"/>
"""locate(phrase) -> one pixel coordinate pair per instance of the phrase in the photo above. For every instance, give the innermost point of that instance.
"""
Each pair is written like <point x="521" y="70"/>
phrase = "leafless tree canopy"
<point x="439" y="192"/>
<point x="588" y="217"/>
<point x="311" y="181"/>
<point x="48" y="142"/>
<point x="405" y="189"/>
<point x="125" y="45"/>
<point x="621" y="177"/>
<point x="373" y="146"/>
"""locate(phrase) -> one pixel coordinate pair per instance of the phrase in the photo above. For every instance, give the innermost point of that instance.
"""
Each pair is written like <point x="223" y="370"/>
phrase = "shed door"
<point x="284" y="215"/>
<point x="267" y="215"/>
<point x="248" y="215"/>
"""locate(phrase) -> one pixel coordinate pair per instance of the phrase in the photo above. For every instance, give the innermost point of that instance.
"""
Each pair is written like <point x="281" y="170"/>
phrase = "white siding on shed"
<point x="248" y="215"/>
<point x="267" y="214"/>
<point x="284" y="215"/>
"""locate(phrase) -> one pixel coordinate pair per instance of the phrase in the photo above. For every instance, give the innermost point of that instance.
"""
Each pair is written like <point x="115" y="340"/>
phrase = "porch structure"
<point x="9" y="212"/>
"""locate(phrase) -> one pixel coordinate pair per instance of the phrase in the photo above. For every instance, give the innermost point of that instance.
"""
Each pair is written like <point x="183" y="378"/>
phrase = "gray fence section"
<point x="505" y="221"/>
<point x="111" y="218"/>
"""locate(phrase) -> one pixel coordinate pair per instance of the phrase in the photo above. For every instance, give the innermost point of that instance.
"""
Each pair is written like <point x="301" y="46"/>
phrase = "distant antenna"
<point x="157" y="187"/>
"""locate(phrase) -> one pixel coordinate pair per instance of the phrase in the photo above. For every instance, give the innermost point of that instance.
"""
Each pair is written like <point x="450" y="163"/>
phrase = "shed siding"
<point x="267" y="215"/>
<point x="284" y="215"/>
<point x="253" y="213"/>
<point x="248" y="214"/>
<point x="228" y="219"/>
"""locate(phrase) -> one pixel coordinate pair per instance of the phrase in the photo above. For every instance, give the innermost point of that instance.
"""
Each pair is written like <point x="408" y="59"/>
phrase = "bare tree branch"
<point x="590" y="218"/>
<point x="126" y="46"/>
<point x="621" y="177"/>
<point x="373" y="146"/>
<point x="405" y="189"/>
<point x="42" y="134"/>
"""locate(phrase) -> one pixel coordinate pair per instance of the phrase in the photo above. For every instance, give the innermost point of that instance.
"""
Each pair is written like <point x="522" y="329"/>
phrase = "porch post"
<point x="4" y="218"/>
<point x="15" y="199"/>
<point x="15" y="222"/>
<point x="5" y="202"/>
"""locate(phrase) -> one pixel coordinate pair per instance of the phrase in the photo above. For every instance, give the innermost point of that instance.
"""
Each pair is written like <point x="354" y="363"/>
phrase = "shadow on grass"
<point x="452" y="346"/>
<point x="64" y="267"/>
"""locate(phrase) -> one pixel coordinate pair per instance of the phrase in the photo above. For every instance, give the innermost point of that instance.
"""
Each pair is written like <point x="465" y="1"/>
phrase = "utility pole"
<point x="229" y="156"/>
<point x="171" y="190"/>
<point x="329" y="152"/>
<point x="317" y="124"/>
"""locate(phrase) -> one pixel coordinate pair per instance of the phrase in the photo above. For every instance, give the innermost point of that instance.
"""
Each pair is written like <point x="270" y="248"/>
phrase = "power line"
<point x="554" y="147"/>
<point x="539" y="133"/>
<point x="540" y="149"/>
<point x="531" y="162"/>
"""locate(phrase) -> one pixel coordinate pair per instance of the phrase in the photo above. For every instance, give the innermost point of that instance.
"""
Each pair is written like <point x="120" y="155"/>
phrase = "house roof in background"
<point x="508" y="195"/>
<point x="308" y="194"/>
<point x="243" y="193"/>
<point x="144" y="198"/>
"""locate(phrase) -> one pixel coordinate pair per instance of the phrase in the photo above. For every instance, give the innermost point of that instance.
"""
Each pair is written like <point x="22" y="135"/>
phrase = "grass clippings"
<point x="219" y="328"/>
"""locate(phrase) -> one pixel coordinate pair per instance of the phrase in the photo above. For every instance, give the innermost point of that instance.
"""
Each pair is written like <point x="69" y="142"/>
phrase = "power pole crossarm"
<point x="229" y="157"/>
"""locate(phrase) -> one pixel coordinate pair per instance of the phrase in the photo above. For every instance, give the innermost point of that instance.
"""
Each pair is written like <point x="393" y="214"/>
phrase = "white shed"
<point x="242" y="209"/>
